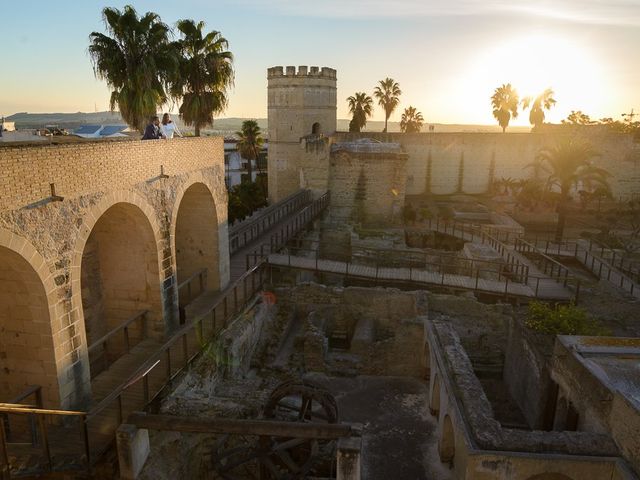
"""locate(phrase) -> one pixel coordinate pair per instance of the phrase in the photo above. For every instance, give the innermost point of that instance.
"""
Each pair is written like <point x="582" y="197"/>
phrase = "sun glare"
<point x="536" y="62"/>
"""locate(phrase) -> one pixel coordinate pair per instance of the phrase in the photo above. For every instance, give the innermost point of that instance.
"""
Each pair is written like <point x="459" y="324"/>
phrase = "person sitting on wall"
<point x="152" y="132"/>
<point x="168" y="128"/>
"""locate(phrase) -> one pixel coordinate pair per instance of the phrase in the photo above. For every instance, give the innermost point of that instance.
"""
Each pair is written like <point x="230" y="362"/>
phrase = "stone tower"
<point x="301" y="104"/>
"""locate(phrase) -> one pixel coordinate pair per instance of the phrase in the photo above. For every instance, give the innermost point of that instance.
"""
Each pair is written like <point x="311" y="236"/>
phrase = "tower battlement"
<point x="302" y="71"/>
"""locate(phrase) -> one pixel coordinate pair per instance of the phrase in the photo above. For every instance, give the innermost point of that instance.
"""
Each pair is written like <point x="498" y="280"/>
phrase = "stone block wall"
<point x="95" y="179"/>
<point x="367" y="188"/>
<point x="435" y="159"/>
<point x="301" y="102"/>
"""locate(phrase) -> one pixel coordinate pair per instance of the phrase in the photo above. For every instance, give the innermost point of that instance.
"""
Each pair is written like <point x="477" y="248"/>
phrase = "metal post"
<point x="145" y="389"/>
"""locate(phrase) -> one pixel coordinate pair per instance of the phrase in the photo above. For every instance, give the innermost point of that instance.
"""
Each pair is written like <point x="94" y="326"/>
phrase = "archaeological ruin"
<point x="385" y="317"/>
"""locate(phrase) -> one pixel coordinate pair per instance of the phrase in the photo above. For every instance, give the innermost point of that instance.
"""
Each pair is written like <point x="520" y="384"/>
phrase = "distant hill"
<point x="221" y="126"/>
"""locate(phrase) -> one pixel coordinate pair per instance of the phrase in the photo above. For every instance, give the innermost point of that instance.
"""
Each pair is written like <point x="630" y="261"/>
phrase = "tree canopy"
<point x="205" y="74"/>
<point x="569" y="164"/>
<point x="388" y="95"/>
<point x="538" y="105"/>
<point x="361" y="108"/>
<point x="250" y="143"/>
<point x="505" y="102"/>
<point x="136" y="60"/>
<point x="411" y="121"/>
<point x="144" y="68"/>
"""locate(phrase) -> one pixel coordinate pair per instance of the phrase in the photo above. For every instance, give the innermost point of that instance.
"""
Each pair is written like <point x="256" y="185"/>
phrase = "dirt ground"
<point x="399" y="433"/>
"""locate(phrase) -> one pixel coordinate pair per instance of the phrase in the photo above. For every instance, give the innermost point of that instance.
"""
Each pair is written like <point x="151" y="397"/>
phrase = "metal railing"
<point x="186" y="289"/>
<point x="469" y="230"/>
<point x="548" y="265"/>
<point x="591" y="253"/>
<point x="287" y="232"/>
<point x="587" y="254"/>
<point x="383" y="258"/>
<point x="158" y="373"/>
<point x="151" y="380"/>
<point x="86" y="436"/>
<point x="45" y="447"/>
<point x="504" y="285"/>
<point x="103" y="354"/>
<point x="251" y="229"/>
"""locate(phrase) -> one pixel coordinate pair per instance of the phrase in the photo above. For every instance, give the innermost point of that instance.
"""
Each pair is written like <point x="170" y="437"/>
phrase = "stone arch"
<point x="434" y="398"/>
<point x="447" y="441"/>
<point x="27" y="311"/>
<point x="117" y="265"/>
<point x="220" y="278"/>
<point x="195" y="235"/>
<point x="316" y="129"/>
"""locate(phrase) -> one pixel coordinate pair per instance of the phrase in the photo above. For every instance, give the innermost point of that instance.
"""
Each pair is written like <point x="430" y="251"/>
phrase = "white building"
<point x="236" y="166"/>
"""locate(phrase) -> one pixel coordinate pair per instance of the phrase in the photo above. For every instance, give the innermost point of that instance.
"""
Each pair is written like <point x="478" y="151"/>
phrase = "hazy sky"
<point x="447" y="55"/>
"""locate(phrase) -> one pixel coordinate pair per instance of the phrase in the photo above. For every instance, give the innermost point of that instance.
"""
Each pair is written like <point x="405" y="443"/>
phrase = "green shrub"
<point x="246" y="198"/>
<point x="562" y="320"/>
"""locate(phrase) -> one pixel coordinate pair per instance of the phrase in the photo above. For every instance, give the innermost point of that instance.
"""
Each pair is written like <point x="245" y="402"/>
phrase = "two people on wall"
<point x="156" y="129"/>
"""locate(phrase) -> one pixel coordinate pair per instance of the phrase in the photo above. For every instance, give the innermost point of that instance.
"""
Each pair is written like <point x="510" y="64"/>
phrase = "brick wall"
<point x="78" y="169"/>
<point x="52" y="237"/>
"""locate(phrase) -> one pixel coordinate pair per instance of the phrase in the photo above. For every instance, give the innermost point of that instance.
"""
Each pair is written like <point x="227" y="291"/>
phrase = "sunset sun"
<point x="533" y="63"/>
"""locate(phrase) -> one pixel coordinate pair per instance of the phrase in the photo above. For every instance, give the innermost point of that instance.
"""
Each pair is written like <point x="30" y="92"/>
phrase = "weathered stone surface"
<point x="114" y="238"/>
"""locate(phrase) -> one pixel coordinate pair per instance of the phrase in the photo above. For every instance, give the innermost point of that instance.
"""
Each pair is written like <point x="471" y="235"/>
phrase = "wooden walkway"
<point x="551" y="291"/>
<point x="238" y="266"/>
<point x="579" y="250"/>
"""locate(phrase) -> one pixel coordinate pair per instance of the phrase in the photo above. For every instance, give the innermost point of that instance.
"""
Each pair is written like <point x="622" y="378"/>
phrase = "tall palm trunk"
<point x="250" y="167"/>
<point x="386" y="120"/>
<point x="197" y="129"/>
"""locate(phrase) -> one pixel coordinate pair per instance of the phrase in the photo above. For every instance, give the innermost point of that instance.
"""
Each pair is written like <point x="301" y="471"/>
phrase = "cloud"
<point x="607" y="12"/>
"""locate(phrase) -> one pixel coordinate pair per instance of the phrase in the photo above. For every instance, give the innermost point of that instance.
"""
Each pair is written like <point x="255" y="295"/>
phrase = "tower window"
<point x="315" y="129"/>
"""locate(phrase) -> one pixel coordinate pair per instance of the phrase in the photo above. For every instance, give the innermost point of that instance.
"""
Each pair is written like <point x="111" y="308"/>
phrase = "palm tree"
<point x="568" y="164"/>
<point x="205" y="74"/>
<point x="250" y="143"/>
<point x="137" y="61"/>
<point x="505" y="105"/>
<point x="539" y="104"/>
<point x="508" y="185"/>
<point x="388" y="95"/>
<point x="361" y="107"/>
<point x="411" y="121"/>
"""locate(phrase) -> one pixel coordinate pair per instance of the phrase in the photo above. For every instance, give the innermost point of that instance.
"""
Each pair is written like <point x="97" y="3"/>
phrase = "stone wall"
<point x="597" y="377"/>
<point x="529" y="352"/>
<point x="96" y="179"/>
<point x="388" y="323"/>
<point x="367" y="188"/>
<point x="301" y="102"/>
<point x="85" y="168"/>
<point x="436" y="159"/>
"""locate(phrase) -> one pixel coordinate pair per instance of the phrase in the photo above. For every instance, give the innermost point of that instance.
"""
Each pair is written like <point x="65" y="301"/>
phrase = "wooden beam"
<point x="273" y="428"/>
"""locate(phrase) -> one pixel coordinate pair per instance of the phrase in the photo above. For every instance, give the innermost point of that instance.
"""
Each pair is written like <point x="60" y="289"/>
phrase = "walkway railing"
<point x="587" y="253"/>
<point x="548" y="265"/>
<point x="591" y="253"/>
<point x="417" y="260"/>
<point x="49" y="445"/>
<point x="76" y="440"/>
<point x="287" y="232"/>
<point x="503" y="286"/>
<point x="187" y="292"/>
<point x="468" y="231"/>
<point x="251" y="229"/>
<point x="112" y="345"/>
<point x="157" y="374"/>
